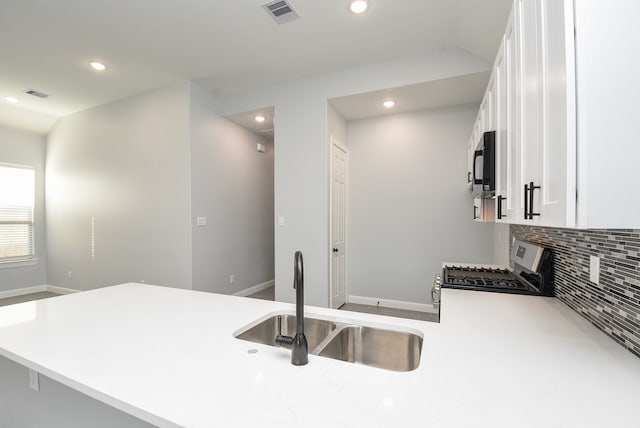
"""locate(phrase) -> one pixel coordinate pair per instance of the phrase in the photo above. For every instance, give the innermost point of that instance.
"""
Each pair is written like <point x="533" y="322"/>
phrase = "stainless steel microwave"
<point x="484" y="166"/>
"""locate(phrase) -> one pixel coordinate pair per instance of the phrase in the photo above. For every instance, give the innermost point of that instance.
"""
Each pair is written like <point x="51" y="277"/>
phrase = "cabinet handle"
<point x="476" y="155"/>
<point x="531" y="189"/>
<point x="468" y="176"/>
<point x="475" y="212"/>
<point x="526" y="202"/>
<point x="500" y="214"/>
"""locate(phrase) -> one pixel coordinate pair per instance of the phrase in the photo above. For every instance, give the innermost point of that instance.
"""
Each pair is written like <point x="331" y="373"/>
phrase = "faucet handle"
<point x="284" y="341"/>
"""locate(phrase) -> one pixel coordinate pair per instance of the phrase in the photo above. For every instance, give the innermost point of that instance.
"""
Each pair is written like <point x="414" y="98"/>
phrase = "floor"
<point x="269" y="294"/>
<point x="27" y="298"/>
<point x="266" y="294"/>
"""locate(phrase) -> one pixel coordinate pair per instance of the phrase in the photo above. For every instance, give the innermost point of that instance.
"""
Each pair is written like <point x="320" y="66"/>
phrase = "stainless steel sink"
<point x="386" y="349"/>
<point x="372" y="346"/>
<point x="316" y="330"/>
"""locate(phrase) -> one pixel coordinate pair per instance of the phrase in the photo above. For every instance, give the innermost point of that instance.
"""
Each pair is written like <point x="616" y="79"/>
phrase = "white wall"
<point x="336" y="125"/>
<point x="409" y="206"/>
<point x="24" y="148"/>
<point x="232" y="185"/>
<point x="127" y="165"/>
<point x="302" y="153"/>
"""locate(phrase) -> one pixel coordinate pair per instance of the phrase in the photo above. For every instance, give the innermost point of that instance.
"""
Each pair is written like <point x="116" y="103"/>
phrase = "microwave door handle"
<point x="476" y="155"/>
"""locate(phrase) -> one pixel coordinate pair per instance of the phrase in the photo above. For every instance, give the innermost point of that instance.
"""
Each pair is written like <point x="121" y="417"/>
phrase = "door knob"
<point x="335" y="250"/>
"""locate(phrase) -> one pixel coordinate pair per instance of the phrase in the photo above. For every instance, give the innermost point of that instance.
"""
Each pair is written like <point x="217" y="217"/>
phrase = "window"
<point x="17" y="195"/>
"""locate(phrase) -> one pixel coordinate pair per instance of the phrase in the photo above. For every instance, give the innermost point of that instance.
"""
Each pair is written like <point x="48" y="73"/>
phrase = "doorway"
<point x="338" y="223"/>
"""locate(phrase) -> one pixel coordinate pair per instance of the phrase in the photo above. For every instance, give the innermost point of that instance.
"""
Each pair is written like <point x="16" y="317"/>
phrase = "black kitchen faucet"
<point x="298" y="343"/>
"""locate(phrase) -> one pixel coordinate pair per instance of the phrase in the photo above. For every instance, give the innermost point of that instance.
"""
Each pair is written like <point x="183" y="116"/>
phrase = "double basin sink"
<point x="354" y="343"/>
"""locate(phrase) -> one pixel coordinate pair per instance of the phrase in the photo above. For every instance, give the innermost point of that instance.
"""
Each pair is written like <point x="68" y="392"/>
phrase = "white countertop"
<point x="168" y="356"/>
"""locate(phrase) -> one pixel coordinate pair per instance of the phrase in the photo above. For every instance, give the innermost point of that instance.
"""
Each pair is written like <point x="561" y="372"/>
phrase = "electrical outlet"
<point x="232" y="279"/>
<point x="69" y="274"/>
<point x="594" y="269"/>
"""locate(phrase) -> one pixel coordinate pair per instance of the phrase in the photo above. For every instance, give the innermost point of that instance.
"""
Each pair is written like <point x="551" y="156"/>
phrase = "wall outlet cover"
<point x="594" y="269"/>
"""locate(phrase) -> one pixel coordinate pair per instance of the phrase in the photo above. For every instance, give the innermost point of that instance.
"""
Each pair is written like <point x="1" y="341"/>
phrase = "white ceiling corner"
<point x="225" y="45"/>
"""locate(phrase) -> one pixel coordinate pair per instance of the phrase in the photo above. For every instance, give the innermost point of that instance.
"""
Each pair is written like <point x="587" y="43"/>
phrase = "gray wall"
<point x="54" y="406"/>
<point x="231" y="185"/>
<point x="127" y="165"/>
<point x="501" y="242"/>
<point x="24" y="148"/>
<point x="337" y="126"/>
<point x="302" y="153"/>
<point x="409" y="206"/>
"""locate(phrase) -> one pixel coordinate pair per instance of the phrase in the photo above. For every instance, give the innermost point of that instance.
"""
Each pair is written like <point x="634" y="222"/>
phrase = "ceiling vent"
<point x="280" y="10"/>
<point x="36" y="93"/>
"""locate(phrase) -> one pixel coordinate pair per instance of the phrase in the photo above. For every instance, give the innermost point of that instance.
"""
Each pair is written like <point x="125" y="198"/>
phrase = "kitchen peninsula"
<point x="169" y="357"/>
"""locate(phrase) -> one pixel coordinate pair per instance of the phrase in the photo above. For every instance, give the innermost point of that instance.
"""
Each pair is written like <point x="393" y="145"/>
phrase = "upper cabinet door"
<point x="511" y="113"/>
<point x="547" y="146"/>
<point x="557" y="137"/>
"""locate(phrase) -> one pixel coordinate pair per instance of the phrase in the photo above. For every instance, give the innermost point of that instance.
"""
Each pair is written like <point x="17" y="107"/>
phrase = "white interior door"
<point x="339" y="170"/>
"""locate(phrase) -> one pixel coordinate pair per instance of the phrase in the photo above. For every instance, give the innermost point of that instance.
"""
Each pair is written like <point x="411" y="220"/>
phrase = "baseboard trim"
<point x="23" y="291"/>
<point x="36" y="289"/>
<point x="61" y="290"/>
<point x="395" y="304"/>
<point x="251" y="290"/>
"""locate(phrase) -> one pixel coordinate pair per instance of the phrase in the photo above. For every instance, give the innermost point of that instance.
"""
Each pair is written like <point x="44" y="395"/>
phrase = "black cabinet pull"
<point x="531" y="189"/>
<point x="468" y="176"/>
<point x="526" y="202"/>
<point x="475" y="212"/>
<point x="335" y="250"/>
<point x="500" y="214"/>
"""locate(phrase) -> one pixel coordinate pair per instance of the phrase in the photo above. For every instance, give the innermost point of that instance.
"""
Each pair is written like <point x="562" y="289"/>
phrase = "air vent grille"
<point x="36" y="93"/>
<point x="280" y="10"/>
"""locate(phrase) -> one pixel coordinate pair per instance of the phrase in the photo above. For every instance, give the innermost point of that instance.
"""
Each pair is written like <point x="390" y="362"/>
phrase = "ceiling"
<point x="225" y="45"/>
<point x="460" y="90"/>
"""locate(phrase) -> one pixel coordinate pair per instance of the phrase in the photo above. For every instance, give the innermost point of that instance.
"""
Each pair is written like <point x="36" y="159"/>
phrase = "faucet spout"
<point x="300" y="348"/>
<point x="298" y="343"/>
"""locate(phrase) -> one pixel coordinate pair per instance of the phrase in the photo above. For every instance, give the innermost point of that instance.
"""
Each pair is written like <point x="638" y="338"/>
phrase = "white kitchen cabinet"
<point x="547" y="140"/>
<point x="470" y="150"/>
<point x="566" y="86"/>
<point x="483" y="210"/>
<point x="502" y="130"/>
<point x="608" y="90"/>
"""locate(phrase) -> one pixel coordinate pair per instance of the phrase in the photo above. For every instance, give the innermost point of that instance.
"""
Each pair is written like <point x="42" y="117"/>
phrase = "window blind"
<point x="17" y="194"/>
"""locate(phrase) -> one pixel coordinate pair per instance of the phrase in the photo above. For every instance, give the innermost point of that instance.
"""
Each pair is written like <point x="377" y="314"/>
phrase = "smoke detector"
<point x="281" y="10"/>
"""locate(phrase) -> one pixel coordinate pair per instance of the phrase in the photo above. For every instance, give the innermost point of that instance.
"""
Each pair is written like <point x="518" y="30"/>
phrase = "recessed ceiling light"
<point x="98" y="66"/>
<point x="12" y="100"/>
<point x="259" y="118"/>
<point x="358" y="6"/>
<point x="389" y="103"/>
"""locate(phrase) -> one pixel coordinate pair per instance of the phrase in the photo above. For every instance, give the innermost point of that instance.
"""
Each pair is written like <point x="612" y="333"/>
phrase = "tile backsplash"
<point x="613" y="305"/>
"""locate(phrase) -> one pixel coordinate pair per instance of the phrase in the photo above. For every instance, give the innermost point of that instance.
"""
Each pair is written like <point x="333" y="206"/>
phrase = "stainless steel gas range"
<point x="532" y="273"/>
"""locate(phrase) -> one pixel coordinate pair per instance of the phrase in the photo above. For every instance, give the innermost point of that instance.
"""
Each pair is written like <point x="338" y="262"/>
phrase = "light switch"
<point x="281" y="220"/>
<point x="34" y="380"/>
<point x="201" y="221"/>
<point x="594" y="269"/>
